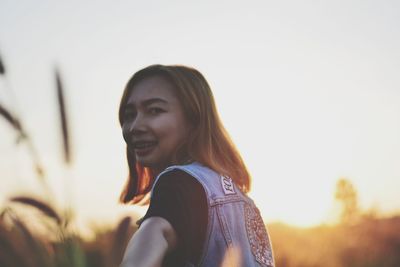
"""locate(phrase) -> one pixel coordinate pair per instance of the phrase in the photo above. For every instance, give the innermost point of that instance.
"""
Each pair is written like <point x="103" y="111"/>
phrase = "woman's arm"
<point x="150" y="244"/>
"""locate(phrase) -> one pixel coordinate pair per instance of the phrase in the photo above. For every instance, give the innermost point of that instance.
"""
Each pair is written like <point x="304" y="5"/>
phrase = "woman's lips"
<point x="143" y="148"/>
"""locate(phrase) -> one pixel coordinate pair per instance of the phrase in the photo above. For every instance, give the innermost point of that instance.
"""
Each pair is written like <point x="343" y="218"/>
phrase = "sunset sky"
<point x="309" y="91"/>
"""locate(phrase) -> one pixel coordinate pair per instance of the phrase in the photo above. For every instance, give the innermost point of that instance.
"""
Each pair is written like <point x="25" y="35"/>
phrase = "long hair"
<point x="207" y="143"/>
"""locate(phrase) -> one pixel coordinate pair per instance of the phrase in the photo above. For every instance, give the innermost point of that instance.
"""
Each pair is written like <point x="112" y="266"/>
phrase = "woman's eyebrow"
<point x="150" y="101"/>
<point x="145" y="103"/>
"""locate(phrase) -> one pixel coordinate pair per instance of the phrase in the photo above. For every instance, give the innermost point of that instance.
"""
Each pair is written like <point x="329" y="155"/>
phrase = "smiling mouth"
<point x="143" y="148"/>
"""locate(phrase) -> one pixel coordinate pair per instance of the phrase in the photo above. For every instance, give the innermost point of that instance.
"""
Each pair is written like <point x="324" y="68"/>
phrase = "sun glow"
<point x="302" y="212"/>
<point x="290" y="198"/>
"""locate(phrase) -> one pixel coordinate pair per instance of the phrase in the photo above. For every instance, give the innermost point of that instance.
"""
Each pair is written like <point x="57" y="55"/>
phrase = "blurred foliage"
<point x="46" y="239"/>
<point x="23" y="245"/>
<point x="346" y="195"/>
<point x="371" y="242"/>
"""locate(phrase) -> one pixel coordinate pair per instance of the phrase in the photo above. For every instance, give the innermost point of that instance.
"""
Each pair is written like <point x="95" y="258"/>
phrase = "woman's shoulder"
<point x="180" y="183"/>
<point x="177" y="177"/>
<point x="179" y="174"/>
<point x="197" y="175"/>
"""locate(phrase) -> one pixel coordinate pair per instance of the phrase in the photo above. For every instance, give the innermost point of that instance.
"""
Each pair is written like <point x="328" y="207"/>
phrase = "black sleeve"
<point x="181" y="200"/>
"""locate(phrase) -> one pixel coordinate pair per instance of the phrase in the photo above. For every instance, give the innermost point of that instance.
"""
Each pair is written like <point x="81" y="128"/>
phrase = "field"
<point x="48" y="240"/>
<point x="372" y="242"/>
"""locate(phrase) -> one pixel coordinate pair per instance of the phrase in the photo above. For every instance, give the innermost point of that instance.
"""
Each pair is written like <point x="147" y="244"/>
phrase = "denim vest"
<point x="235" y="227"/>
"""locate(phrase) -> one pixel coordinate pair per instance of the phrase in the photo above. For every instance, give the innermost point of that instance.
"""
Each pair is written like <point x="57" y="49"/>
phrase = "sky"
<point x="308" y="90"/>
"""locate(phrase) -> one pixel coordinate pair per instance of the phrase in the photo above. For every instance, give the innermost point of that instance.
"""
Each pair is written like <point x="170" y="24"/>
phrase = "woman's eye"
<point x="155" y="111"/>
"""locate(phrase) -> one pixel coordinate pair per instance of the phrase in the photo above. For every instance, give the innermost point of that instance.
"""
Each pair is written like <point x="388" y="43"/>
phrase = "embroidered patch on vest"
<point x="227" y="185"/>
<point x="258" y="237"/>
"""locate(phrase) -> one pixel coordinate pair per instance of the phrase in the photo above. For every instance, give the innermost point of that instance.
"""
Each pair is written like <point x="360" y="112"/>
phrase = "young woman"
<point x="182" y="161"/>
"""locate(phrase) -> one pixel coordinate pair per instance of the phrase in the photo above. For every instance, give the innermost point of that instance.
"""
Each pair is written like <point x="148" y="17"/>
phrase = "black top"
<point x="181" y="200"/>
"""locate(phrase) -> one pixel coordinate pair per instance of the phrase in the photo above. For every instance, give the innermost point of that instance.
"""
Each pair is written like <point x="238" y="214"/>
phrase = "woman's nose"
<point x="138" y="125"/>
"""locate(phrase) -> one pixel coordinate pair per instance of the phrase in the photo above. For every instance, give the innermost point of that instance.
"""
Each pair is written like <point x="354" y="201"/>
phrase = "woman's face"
<point x="154" y="124"/>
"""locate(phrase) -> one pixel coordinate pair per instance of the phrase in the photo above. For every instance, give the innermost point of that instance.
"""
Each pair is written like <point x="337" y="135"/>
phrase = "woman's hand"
<point x="149" y="245"/>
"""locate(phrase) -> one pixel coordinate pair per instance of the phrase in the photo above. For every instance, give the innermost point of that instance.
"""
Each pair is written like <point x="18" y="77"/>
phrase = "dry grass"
<point x="21" y="246"/>
<point x="14" y="122"/>
<point x="2" y="69"/>
<point x="369" y="243"/>
<point x="63" y="118"/>
<point x="40" y="205"/>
